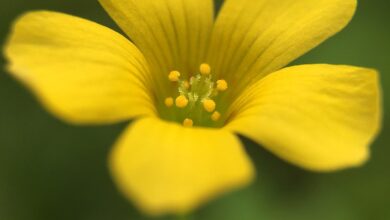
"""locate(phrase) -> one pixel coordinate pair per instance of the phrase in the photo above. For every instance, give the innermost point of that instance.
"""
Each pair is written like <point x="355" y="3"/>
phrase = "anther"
<point x="215" y="116"/>
<point x="188" y="122"/>
<point x="174" y="76"/>
<point x="169" y="102"/>
<point x="205" y="69"/>
<point x="181" y="101"/>
<point x="209" y="105"/>
<point x="186" y="84"/>
<point x="222" y="85"/>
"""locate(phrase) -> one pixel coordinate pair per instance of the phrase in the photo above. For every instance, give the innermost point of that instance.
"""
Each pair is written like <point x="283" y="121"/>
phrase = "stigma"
<point x="195" y="98"/>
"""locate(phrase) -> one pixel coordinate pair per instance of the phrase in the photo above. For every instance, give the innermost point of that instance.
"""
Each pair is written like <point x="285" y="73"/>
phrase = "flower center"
<point x="195" y="101"/>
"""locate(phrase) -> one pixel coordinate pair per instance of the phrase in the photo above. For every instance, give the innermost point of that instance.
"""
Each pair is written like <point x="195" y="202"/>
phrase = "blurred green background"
<point x="53" y="171"/>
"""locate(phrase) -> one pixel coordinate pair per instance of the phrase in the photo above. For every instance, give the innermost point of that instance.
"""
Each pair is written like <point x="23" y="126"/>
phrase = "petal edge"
<point x="83" y="72"/>
<point x="319" y="117"/>
<point x="179" y="168"/>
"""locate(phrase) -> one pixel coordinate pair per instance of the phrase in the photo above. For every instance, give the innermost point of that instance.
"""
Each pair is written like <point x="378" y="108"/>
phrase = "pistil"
<point x="196" y="96"/>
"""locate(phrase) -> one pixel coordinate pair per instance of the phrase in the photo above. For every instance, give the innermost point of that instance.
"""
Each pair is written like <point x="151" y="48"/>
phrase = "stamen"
<point x="195" y="97"/>
<point x="174" y="76"/>
<point x="222" y="85"/>
<point x="169" y="102"/>
<point x="205" y="69"/>
<point x="209" y="105"/>
<point x="215" y="116"/>
<point x="186" y="84"/>
<point x="181" y="101"/>
<point x="188" y="122"/>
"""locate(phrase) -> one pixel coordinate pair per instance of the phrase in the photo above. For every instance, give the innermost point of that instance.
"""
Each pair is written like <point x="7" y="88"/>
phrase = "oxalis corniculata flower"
<point x="192" y="82"/>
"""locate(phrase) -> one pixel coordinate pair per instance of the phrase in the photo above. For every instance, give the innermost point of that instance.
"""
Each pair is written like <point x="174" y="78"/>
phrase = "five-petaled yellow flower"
<point x="192" y="82"/>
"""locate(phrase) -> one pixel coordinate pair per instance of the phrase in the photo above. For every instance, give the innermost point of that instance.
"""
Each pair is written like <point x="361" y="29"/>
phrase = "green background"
<point x="53" y="171"/>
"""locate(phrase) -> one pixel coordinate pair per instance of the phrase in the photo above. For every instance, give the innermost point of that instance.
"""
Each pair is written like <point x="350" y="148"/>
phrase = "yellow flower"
<point x="192" y="83"/>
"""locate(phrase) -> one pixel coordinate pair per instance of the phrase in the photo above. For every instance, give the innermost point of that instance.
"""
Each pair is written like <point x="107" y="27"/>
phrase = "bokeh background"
<point x="52" y="171"/>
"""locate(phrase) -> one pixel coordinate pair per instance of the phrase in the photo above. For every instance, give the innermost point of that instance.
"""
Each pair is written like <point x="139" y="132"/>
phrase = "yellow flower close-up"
<point x="192" y="81"/>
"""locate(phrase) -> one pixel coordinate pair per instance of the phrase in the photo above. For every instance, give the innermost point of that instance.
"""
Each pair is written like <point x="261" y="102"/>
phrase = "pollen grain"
<point x="222" y="85"/>
<point x="205" y="69"/>
<point x="216" y="116"/>
<point x="188" y="122"/>
<point x="209" y="105"/>
<point x="174" y="76"/>
<point x="181" y="101"/>
<point x="168" y="102"/>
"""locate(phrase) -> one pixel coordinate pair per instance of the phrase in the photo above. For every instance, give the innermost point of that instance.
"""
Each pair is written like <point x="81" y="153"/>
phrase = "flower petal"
<point x="173" y="34"/>
<point x="83" y="72"/>
<point x="255" y="37"/>
<point x="320" y="117"/>
<point x="165" y="167"/>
